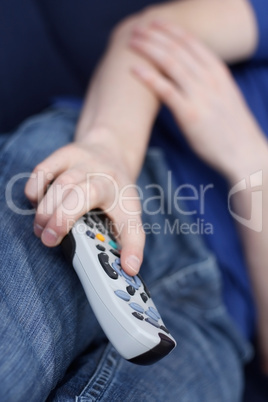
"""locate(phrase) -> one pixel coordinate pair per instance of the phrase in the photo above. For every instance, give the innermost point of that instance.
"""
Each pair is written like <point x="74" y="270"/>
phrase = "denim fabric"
<point x="51" y="346"/>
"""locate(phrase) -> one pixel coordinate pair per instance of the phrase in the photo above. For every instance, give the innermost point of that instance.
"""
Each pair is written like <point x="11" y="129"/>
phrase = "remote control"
<point x="122" y="303"/>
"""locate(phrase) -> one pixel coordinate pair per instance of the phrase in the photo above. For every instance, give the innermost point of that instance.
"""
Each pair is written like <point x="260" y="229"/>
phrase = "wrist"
<point x="96" y="134"/>
<point x="249" y="163"/>
<point x="248" y="155"/>
<point x="117" y="146"/>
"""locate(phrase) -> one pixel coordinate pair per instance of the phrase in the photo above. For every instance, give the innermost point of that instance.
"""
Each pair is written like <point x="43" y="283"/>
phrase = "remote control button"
<point x="137" y="280"/>
<point x="113" y="244"/>
<point x="115" y="252"/>
<point x="104" y="261"/>
<point x="100" y="247"/>
<point x="144" y="297"/>
<point x="100" y="237"/>
<point x="117" y="268"/>
<point x="151" y="314"/>
<point x="100" y="228"/>
<point x="95" y="217"/>
<point x="111" y="236"/>
<point x="131" y="290"/>
<point x="139" y="316"/>
<point x="136" y="307"/>
<point x="164" y="329"/>
<point x="123" y="295"/>
<point x="154" y="311"/>
<point x="90" y="234"/>
<point x="131" y="283"/>
<point x="126" y="276"/>
<point x="152" y="322"/>
<point x="89" y="222"/>
<point x="118" y="261"/>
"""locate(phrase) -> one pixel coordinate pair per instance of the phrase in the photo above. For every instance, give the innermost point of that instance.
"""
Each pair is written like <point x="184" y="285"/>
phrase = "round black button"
<point x="131" y="290"/>
<point x="100" y="247"/>
<point x="144" y="297"/>
<point x="138" y="315"/>
<point x="115" y="252"/>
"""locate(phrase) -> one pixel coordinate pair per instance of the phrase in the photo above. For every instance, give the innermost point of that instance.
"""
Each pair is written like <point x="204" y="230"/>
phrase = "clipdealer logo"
<point x="255" y="222"/>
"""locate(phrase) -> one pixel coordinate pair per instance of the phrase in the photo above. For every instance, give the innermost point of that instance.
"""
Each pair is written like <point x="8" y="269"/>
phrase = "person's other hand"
<point x="80" y="177"/>
<point x="202" y="95"/>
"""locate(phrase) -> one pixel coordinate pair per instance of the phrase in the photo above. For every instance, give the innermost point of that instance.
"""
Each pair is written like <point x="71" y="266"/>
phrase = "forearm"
<point x="252" y="204"/>
<point x="118" y="109"/>
<point x="227" y="27"/>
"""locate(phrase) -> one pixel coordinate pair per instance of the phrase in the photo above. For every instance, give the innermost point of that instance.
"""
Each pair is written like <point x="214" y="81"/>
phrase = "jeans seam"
<point x="102" y="377"/>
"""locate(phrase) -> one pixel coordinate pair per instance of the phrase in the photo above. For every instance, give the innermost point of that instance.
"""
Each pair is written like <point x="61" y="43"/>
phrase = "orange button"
<point x="100" y="237"/>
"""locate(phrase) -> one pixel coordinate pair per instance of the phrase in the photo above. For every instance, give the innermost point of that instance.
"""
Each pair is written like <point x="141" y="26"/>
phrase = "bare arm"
<point x="227" y="27"/>
<point x="217" y="123"/>
<point x="255" y="235"/>
<point x="118" y="109"/>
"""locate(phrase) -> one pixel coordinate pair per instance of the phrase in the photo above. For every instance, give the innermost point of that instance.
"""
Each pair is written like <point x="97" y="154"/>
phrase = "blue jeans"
<point x="51" y="346"/>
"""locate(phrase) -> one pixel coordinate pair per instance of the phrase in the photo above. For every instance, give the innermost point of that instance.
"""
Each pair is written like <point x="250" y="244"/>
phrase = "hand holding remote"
<point x="88" y="175"/>
<point x="121" y="303"/>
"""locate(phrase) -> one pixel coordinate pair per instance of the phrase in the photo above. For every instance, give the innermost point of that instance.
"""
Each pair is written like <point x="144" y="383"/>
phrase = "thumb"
<point x="132" y="241"/>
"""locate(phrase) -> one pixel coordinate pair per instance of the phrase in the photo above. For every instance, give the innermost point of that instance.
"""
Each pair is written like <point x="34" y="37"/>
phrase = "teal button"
<point x="113" y="244"/>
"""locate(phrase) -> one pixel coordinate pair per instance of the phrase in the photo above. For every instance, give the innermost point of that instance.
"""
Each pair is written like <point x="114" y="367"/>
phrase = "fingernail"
<point x="133" y="263"/>
<point x="50" y="237"/>
<point x="38" y="230"/>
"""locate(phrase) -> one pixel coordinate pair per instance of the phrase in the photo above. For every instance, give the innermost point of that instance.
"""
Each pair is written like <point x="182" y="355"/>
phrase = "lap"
<point x="42" y="303"/>
<point x="50" y="339"/>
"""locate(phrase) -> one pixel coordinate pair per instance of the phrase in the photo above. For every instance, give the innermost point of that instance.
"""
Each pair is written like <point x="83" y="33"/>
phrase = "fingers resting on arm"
<point x="202" y="95"/>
